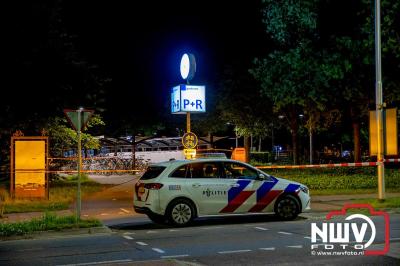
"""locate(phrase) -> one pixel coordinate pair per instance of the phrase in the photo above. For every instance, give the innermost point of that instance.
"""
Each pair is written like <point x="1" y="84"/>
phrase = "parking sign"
<point x="188" y="98"/>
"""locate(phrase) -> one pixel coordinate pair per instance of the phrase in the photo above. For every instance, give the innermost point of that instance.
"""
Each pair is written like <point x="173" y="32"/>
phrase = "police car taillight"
<point x="154" y="186"/>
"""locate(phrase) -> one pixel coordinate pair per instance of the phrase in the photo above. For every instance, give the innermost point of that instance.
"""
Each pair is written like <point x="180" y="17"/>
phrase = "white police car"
<point x="179" y="191"/>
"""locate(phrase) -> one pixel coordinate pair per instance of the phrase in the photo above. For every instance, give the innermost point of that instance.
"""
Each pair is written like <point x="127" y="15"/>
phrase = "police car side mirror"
<point x="262" y="177"/>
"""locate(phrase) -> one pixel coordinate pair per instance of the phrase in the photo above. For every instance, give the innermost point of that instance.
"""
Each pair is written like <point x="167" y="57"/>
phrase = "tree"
<point x="45" y="71"/>
<point x="46" y="63"/>
<point x="62" y="137"/>
<point x="295" y="75"/>
<point x="241" y="104"/>
<point x="355" y="46"/>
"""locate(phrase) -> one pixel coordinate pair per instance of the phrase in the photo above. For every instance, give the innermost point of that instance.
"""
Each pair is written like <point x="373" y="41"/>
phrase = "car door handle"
<point x="196" y="185"/>
<point x="235" y="185"/>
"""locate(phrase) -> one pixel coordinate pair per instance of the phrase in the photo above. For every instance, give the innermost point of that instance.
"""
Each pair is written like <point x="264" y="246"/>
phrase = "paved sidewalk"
<point x="114" y="202"/>
<point x="326" y="203"/>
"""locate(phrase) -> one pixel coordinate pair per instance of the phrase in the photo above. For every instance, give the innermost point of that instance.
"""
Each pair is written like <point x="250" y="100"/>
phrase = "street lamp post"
<point x="272" y="136"/>
<point x="310" y="135"/>
<point x="301" y="116"/>
<point x="379" y="101"/>
<point x="310" y="132"/>
<point x="311" y="144"/>
<point x="236" y="137"/>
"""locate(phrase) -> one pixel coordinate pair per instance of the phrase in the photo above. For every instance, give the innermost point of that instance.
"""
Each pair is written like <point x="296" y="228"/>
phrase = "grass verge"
<point x="48" y="221"/>
<point x="327" y="192"/>
<point x="336" y="179"/>
<point x="378" y="204"/>
<point x="62" y="193"/>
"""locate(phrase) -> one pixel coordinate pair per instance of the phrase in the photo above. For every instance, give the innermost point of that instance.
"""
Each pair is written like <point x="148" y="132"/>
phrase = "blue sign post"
<point x="187" y="98"/>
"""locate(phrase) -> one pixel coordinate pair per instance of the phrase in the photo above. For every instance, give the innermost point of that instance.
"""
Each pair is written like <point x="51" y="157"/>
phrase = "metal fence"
<point x="98" y="165"/>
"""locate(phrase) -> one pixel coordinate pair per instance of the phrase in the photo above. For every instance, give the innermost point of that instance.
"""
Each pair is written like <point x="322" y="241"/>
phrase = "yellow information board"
<point x="30" y="155"/>
<point x="29" y="168"/>
<point x="390" y="132"/>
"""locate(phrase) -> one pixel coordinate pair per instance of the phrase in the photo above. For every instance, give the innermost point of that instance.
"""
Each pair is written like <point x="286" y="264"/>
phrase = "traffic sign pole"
<point x="188" y="122"/>
<point x="78" y="207"/>
<point x="78" y="119"/>
<point x="186" y="98"/>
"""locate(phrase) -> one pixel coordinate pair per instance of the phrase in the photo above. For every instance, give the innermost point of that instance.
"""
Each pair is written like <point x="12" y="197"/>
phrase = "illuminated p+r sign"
<point x="188" y="98"/>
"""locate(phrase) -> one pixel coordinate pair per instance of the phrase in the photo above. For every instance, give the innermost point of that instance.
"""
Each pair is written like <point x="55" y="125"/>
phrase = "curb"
<point x="164" y="262"/>
<point x="388" y="210"/>
<point x="61" y="233"/>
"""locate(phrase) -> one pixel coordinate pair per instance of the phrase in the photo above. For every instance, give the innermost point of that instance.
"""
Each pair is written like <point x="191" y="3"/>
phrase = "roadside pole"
<point x="311" y="145"/>
<point x="78" y="197"/>
<point x="186" y="98"/>
<point x="78" y="119"/>
<point x="188" y="122"/>
<point x="379" y="101"/>
<point x="133" y="151"/>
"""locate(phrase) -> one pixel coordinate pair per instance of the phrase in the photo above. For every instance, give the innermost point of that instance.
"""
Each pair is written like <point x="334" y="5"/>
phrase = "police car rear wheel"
<point x="180" y="212"/>
<point x="287" y="208"/>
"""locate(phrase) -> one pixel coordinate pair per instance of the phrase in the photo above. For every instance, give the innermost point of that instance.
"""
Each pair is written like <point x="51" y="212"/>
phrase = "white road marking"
<point x="173" y="230"/>
<point x="307" y="237"/>
<point x="124" y="210"/>
<point x="141" y="243"/>
<point x="129" y="233"/>
<point x="97" y="262"/>
<point x="261" y="228"/>
<point x="284" y="233"/>
<point x="213" y="227"/>
<point x="104" y="214"/>
<point x="299" y="246"/>
<point x="151" y="232"/>
<point x="234" y="251"/>
<point x="128" y="237"/>
<point x="158" y="250"/>
<point x="271" y="248"/>
<point x="175" y="256"/>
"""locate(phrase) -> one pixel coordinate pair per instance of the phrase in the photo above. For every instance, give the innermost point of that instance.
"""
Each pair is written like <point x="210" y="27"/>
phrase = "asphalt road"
<point x="240" y="240"/>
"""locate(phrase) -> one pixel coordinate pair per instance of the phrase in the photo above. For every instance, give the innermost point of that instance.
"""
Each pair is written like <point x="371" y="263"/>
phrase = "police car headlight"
<point x="304" y="189"/>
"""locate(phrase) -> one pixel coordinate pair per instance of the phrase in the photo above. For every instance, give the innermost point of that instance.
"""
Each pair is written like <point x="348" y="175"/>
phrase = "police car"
<point x="178" y="191"/>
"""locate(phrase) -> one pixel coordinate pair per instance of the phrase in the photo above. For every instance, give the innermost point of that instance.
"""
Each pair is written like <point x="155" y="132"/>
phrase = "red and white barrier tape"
<point x="393" y="160"/>
<point x="327" y="165"/>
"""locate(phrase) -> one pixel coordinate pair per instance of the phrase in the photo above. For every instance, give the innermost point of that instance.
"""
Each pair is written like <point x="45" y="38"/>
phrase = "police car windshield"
<point x="152" y="172"/>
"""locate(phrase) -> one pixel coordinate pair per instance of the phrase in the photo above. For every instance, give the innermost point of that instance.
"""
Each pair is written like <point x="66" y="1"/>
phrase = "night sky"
<point x="138" y="44"/>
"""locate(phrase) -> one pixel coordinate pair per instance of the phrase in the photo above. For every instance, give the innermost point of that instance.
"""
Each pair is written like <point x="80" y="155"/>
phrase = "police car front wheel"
<point x="180" y="212"/>
<point x="287" y="207"/>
